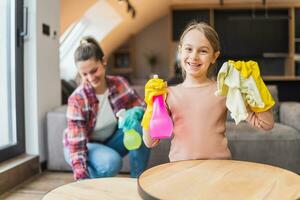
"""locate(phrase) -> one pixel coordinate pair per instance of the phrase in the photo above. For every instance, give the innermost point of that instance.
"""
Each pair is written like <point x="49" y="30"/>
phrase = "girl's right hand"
<point x="149" y="142"/>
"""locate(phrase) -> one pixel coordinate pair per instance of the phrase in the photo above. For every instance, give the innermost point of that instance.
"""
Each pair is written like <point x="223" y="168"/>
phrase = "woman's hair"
<point x="210" y="34"/>
<point x="88" y="49"/>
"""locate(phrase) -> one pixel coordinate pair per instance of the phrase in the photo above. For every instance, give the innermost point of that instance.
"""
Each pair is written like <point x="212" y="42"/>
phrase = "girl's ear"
<point x="179" y="49"/>
<point x="215" y="56"/>
<point x="178" y="55"/>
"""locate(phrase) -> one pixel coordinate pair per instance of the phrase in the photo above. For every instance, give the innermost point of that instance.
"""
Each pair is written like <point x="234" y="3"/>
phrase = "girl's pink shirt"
<point x="199" y="123"/>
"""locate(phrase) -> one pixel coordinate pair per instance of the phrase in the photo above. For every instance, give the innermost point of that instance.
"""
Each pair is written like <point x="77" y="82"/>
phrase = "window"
<point x="98" y="21"/>
<point x="12" y="127"/>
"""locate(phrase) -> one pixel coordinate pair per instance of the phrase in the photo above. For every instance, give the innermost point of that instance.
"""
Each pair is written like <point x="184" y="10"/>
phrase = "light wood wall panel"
<point x="72" y="10"/>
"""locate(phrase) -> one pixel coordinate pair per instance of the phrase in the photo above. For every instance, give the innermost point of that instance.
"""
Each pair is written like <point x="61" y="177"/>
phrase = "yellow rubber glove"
<point x="251" y="68"/>
<point x="153" y="87"/>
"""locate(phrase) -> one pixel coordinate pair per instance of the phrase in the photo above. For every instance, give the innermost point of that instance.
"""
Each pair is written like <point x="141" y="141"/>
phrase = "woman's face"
<point x="92" y="71"/>
<point x="196" y="54"/>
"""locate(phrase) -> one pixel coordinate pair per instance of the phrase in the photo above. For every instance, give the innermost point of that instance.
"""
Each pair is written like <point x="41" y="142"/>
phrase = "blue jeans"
<point x="105" y="160"/>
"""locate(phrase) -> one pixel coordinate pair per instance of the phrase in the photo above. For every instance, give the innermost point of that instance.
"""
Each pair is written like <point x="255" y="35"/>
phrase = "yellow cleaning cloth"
<point x="153" y="87"/>
<point x="251" y="68"/>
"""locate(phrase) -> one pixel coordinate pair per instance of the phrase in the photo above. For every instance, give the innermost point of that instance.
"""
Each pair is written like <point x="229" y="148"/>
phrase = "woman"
<point x="93" y="143"/>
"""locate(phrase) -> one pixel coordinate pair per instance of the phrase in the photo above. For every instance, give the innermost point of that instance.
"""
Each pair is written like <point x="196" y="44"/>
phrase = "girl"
<point x="198" y="115"/>
<point x="93" y="143"/>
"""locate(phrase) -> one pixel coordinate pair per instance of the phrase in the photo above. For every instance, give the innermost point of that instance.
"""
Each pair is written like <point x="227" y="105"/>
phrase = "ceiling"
<point x="147" y="11"/>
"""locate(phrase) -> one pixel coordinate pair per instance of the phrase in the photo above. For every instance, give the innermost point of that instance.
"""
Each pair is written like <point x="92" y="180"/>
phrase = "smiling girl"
<point x="198" y="114"/>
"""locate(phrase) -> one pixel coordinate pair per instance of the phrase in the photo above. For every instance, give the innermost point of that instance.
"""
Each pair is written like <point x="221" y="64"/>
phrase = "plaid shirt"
<point x="82" y="114"/>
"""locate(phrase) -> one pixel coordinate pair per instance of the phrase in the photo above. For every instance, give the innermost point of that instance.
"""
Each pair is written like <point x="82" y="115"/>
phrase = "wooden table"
<point x="95" y="189"/>
<point x="218" y="179"/>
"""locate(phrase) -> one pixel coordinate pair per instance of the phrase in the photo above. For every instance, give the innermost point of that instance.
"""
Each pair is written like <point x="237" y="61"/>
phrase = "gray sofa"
<point x="279" y="147"/>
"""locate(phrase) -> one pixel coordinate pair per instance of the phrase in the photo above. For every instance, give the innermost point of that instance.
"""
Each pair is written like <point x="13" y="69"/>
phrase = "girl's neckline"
<point x="197" y="85"/>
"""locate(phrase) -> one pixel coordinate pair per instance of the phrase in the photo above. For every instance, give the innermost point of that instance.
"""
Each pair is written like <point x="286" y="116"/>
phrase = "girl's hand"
<point x="149" y="142"/>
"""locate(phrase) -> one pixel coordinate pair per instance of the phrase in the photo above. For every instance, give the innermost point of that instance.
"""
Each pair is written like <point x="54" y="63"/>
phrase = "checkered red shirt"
<point x="82" y="114"/>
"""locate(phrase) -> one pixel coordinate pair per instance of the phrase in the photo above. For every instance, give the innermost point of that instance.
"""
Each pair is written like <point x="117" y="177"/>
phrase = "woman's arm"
<point x="149" y="142"/>
<point x="261" y="120"/>
<point x="77" y="139"/>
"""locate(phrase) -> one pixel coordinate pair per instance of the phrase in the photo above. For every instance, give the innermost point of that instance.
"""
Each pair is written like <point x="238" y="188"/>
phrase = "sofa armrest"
<point x="290" y="114"/>
<point x="56" y="124"/>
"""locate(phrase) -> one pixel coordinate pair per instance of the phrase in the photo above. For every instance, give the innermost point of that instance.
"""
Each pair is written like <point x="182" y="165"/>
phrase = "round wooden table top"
<point x="218" y="179"/>
<point x="95" y="189"/>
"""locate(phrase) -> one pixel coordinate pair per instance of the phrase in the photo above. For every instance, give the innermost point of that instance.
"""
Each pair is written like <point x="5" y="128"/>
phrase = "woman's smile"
<point x="95" y="81"/>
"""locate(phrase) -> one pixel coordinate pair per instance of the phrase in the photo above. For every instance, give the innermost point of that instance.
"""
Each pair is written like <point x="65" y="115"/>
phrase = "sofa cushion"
<point x="56" y="124"/>
<point x="244" y="131"/>
<point x="279" y="147"/>
<point x="290" y="114"/>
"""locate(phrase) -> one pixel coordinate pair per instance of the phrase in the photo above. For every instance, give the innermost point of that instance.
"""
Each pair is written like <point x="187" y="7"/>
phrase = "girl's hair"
<point x="212" y="37"/>
<point x="88" y="49"/>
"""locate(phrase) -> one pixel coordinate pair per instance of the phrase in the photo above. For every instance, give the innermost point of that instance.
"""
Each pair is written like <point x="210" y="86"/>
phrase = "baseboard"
<point x="16" y="170"/>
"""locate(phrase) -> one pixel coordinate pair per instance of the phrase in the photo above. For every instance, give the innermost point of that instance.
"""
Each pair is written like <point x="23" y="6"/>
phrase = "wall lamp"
<point x="130" y="8"/>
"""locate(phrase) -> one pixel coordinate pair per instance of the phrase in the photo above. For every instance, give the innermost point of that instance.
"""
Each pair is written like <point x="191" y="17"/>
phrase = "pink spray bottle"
<point x="161" y="125"/>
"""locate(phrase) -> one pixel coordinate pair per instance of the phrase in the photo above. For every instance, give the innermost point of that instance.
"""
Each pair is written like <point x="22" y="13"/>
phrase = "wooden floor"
<point x="36" y="187"/>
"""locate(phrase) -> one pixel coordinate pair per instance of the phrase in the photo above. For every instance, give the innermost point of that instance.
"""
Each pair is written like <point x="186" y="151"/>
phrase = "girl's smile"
<point x="194" y="66"/>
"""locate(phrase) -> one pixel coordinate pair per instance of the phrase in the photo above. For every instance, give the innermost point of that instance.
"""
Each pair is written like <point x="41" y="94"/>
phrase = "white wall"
<point x="153" y="38"/>
<point x="42" y="82"/>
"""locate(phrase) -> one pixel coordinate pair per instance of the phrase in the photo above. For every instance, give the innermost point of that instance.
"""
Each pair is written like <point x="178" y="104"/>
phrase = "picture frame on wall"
<point x="122" y="60"/>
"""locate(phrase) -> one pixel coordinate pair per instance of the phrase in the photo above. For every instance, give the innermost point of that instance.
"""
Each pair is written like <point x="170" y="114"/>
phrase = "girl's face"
<point x="92" y="71"/>
<point x="196" y="54"/>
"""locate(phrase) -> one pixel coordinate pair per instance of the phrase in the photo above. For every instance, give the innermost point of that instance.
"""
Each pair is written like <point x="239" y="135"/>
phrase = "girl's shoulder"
<point x="173" y="89"/>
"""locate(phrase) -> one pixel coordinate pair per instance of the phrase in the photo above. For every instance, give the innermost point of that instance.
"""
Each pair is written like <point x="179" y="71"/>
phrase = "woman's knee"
<point x="110" y="166"/>
<point x="103" y="161"/>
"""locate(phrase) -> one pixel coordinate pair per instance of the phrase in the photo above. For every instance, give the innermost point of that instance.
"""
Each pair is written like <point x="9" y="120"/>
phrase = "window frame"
<point x="18" y="148"/>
